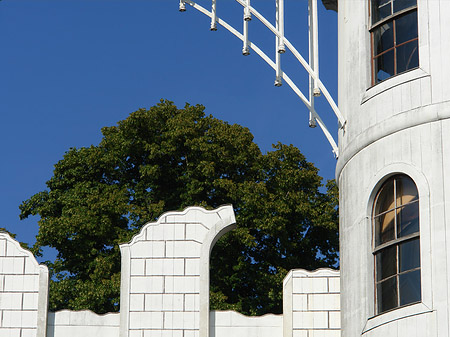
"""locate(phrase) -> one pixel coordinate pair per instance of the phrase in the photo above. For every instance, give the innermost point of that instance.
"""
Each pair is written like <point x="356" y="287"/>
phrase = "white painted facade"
<point x="400" y="125"/>
<point x="164" y="290"/>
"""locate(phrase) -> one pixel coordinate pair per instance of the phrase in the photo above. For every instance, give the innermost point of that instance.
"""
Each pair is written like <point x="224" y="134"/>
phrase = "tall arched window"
<point x="396" y="244"/>
<point x="394" y="36"/>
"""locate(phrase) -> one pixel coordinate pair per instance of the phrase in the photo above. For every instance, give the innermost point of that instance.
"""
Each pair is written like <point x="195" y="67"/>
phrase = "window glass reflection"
<point x="387" y="294"/>
<point x="409" y="255"/>
<point x="403" y="4"/>
<point x="406" y="28"/>
<point x="386" y="263"/>
<point x="407" y="56"/>
<point x="384" y="228"/>
<point x="383" y="38"/>
<point x="408" y="220"/>
<point x="409" y="285"/>
<point x="385" y="199"/>
<point x="406" y="190"/>
<point x="384" y="66"/>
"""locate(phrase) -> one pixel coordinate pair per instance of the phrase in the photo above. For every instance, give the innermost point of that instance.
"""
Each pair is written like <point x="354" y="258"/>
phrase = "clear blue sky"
<point x="70" y="67"/>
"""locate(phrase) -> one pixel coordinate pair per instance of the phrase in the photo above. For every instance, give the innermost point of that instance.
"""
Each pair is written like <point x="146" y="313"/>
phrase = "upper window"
<point x="396" y="244"/>
<point x="394" y="38"/>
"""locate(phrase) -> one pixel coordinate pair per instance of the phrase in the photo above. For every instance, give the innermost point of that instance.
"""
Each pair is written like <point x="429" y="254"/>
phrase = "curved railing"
<point x="316" y="85"/>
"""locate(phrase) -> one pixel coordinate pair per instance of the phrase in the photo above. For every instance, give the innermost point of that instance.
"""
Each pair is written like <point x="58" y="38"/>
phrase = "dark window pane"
<point x="409" y="255"/>
<point x="410" y="287"/>
<point x="406" y="28"/>
<point x="384" y="66"/>
<point x="384" y="228"/>
<point x="380" y="9"/>
<point x="386" y="261"/>
<point x="408" y="220"/>
<point x="387" y="295"/>
<point x="385" y="198"/>
<point x="383" y="38"/>
<point x="402" y="4"/>
<point x="407" y="56"/>
<point x="384" y="11"/>
<point x="406" y="190"/>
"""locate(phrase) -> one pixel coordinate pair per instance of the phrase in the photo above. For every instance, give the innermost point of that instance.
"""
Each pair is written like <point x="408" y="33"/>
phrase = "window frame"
<point x="390" y="19"/>
<point x="396" y="242"/>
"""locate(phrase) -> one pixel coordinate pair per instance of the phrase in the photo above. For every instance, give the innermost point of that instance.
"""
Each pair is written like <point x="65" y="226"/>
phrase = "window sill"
<point x="387" y="317"/>
<point x="393" y="82"/>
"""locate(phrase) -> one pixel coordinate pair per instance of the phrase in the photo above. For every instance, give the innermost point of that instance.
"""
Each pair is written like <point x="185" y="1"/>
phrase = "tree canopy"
<point x="165" y="159"/>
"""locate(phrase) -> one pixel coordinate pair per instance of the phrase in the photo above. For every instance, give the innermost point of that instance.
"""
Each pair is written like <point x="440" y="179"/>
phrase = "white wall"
<point x="84" y="323"/>
<point x="164" y="290"/>
<point x="400" y="125"/>
<point x="23" y="291"/>
<point x="165" y="274"/>
<point x="311" y="303"/>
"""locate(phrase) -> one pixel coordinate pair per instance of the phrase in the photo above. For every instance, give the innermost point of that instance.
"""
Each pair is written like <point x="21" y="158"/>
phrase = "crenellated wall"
<point x="164" y="290"/>
<point x="23" y="291"/>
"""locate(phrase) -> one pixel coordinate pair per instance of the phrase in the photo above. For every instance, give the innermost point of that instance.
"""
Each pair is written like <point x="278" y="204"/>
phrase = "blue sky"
<point x="70" y="67"/>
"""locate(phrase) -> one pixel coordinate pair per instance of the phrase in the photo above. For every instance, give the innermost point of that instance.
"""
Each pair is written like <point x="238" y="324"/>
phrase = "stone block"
<point x="10" y="301"/>
<point x="12" y="265"/>
<point x="14" y="283"/>
<point x="191" y="333"/>
<point x="137" y="302"/>
<point x="2" y="247"/>
<point x="310" y="320"/>
<point x="10" y="332"/>
<point x="183" y="249"/>
<point x="192" y="266"/>
<point x="31" y="267"/>
<point x="147" y="284"/>
<point x="335" y="319"/>
<point x="323" y="302"/>
<point x="164" y="266"/>
<point x="182" y="284"/>
<point x="307" y="285"/>
<point x="29" y="332"/>
<point x="164" y="302"/>
<point x="136" y="333"/>
<point x="166" y="231"/>
<point x="143" y="249"/>
<point x="30" y="301"/>
<point x="13" y="249"/>
<point x="300" y="333"/>
<point x="137" y="267"/>
<point x="324" y="333"/>
<point x="19" y="319"/>
<point x="196" y="232"/>
<point x="334" y="285"/>
<point x="191" y="302"/>
<point x="300" y="302"/>
<point x="163" y="333"/>
<point x="146" y="320"/>
<point x="181" y="320"/>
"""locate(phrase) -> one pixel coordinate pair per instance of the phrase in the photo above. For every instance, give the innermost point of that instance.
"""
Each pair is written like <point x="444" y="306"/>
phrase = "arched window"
<point x="394" y="36"/>
<point x="396" y="244"/>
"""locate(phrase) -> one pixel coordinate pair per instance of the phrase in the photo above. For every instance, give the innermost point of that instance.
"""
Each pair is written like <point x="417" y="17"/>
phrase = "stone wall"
<point x="311" y="303"/>
<point x="164" y="290"/>
<point x="23" y="291"/>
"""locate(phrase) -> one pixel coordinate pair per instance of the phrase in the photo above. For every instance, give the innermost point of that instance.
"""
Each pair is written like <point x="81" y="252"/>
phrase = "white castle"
<point x="393" y="175"/>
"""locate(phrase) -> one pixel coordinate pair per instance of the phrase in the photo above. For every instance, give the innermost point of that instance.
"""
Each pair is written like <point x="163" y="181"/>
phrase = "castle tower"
<point x="394" y="167"/>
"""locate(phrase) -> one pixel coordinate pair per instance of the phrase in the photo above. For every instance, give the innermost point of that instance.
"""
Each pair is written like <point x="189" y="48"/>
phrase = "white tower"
<point x="394" y="167"/>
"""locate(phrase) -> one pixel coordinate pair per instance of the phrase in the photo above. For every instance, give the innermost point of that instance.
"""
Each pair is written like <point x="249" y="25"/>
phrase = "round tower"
<point x="394" y="167"/>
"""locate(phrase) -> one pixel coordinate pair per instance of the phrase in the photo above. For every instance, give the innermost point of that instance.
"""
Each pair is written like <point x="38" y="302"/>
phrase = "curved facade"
<point x="399" y="126"/>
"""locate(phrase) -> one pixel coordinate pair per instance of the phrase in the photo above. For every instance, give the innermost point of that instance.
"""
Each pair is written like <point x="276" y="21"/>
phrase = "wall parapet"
<point x="23" y="291"/>
<point x="311" y="303"/>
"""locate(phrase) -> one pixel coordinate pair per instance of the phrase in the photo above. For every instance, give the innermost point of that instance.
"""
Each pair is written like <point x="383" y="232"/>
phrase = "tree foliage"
<point x="165" y="159"/>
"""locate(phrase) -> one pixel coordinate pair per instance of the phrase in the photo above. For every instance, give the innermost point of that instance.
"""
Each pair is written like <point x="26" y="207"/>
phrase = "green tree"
<point x="167" y="158"/>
